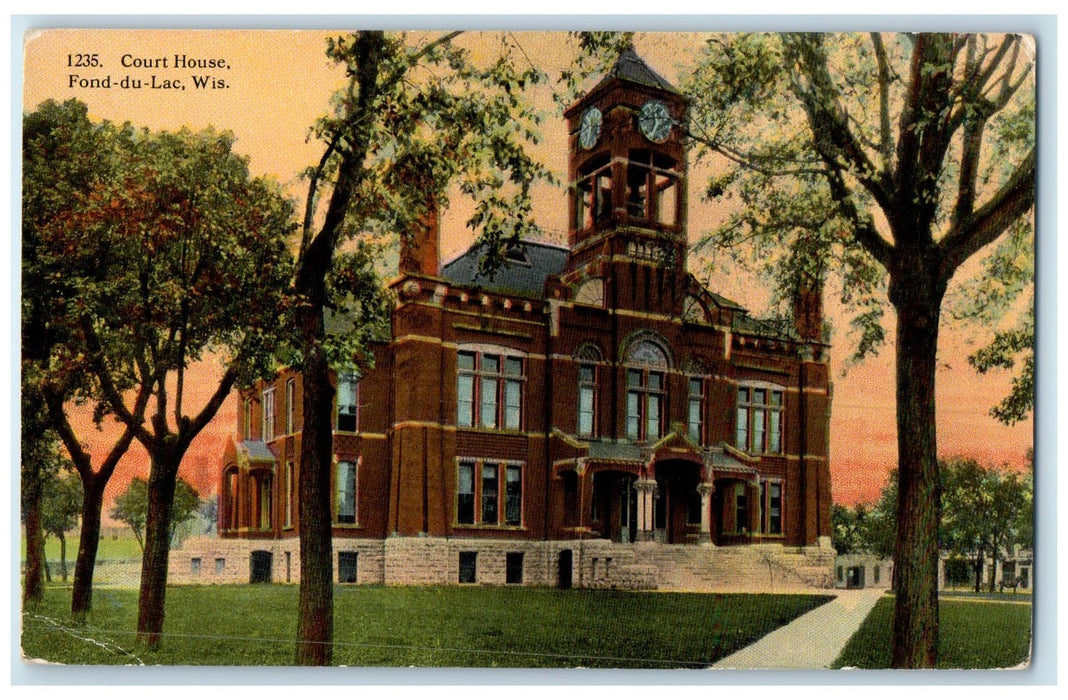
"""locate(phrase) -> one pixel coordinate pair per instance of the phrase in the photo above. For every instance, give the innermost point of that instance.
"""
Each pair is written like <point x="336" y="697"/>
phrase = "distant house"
<point x="863" y="571"/>
<point x="1012" y="571"/>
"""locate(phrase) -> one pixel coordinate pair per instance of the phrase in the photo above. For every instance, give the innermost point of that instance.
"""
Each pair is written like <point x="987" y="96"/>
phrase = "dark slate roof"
<point x="777" y="328"/>
<point x="524" y="272"/>
<point x="256" y="451"/>
<point x="631" y="68"/>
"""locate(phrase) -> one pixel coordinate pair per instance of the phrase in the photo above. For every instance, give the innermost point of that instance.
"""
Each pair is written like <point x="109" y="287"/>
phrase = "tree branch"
<point x="988" y="222"/>
<point x="886" y="139"/>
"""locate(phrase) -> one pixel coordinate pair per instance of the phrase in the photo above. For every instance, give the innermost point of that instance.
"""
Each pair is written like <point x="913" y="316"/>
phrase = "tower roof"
<point x="631" y="68"/>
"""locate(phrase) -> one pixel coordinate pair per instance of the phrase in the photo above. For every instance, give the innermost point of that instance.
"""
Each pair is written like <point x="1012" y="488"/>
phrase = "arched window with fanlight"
<point x="647" y="364"/>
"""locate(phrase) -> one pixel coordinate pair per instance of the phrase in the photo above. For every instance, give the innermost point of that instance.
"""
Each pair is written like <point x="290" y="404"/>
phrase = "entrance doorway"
<point x="615" y="506"/>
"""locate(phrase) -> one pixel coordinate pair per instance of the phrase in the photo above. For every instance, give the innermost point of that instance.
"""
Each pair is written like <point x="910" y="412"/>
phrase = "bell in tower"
<point x="627" y="167"/>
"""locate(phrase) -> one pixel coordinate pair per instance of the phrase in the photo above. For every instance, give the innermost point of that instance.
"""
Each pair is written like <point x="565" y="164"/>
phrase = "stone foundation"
<point x="402" y="561"/>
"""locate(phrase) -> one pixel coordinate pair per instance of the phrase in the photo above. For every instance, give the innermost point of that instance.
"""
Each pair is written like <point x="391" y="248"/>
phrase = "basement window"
<point x="467" y="567"/>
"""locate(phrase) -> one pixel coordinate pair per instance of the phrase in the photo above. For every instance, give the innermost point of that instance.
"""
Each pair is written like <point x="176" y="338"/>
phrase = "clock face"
<point x="655" y="121"/>
<point x="590" y="127"/>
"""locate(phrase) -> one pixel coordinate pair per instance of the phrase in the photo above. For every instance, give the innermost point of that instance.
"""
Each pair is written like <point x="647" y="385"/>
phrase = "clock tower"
<point x="627" y="188"/>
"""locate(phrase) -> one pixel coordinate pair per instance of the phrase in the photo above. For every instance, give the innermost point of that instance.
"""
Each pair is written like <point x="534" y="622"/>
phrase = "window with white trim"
<point x="496" y="488"/>
<point x="268" y="415"/>
<point x="489" y="390"/>
<point x="348" y="394"/>
<point x="345" y="493"/>
<point x="758" y="429"/>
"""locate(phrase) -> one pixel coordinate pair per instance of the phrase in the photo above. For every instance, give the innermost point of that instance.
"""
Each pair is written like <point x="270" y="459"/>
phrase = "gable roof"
<point x="524" y="271"/>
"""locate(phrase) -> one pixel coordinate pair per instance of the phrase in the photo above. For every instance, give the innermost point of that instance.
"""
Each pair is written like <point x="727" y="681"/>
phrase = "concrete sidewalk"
<point x="813" y="640"/>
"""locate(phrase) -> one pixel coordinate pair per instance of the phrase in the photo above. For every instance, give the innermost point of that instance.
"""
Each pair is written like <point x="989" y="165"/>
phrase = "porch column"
<point x="585" y="492"/>
<point x="646" y="489"/>
<point x="756" y="507"/>
<point x="705" y="490"/>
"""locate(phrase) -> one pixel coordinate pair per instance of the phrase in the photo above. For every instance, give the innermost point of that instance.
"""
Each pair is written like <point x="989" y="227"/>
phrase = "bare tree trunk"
<point x="915" y="630"/>
<point x="63" y="557"/>
<point x="978" y="568"/>
<point x="47" y="571"/>
<point x="162" y="479"/>
<point x="88" y="542"/>
<point x="33" y="586"/>
<point x="316" y="609"/>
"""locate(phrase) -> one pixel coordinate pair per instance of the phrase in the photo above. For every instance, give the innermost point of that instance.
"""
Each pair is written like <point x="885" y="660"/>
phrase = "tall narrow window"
<point x="775" y="423"/>
<point x="771" y="500"/>
<point x="345" y="488"/>
<point x="695" y="410"/>
<point x="348" y="389"/>
<point x="490" y="493"/>
<point x="268" y="415"/>
<point x="513" y="392"/>
<point x="289" y="494"/>
<point x="231" y="500"/>
<point x="465" y="494"/>
<point x="513" y="496"/>
<point x="465" y="389"/>
<point x="247" y="418"/>
<point x="741" y="509"/>
<point x="741" y="438"/>
<point x="587" y="400"/>
<point x="489" y="390"/>
<point x="491" y="367"/>
<point x="291" y="392"/>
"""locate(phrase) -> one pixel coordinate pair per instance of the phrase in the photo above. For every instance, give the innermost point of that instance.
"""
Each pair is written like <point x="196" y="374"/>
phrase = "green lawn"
<point x="109" y="549"/>
<point x="448" y="626"/>
<point x="973" y="634"/>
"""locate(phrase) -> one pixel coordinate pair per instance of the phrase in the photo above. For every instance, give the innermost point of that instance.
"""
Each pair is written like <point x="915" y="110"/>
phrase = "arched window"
<point x="588" y="357"/>
<point x="647" y="363"/>
<point x="591" y="292"/>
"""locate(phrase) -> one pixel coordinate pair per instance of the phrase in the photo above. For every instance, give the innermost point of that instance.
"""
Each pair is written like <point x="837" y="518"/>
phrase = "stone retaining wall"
<point x="594" y="563"/>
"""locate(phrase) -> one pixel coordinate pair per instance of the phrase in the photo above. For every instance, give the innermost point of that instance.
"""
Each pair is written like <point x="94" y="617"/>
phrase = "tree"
<point x="176" y="255"/>
<point x="892" y="161"/>
<point x="982" y="510"/>
<point x="848" y="526"/>
<point x="414" y="117"/>
<point x="64" y="158"/>
<point x="131" y="507"/>
<point x="41" y="462"/>
<point x="60" y="506"/>
<point x="209" y="510"/>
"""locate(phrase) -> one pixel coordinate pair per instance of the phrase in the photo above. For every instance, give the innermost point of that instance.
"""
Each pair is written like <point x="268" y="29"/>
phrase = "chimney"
<point x="808" y="308"/>
<point x="419" y="249"/>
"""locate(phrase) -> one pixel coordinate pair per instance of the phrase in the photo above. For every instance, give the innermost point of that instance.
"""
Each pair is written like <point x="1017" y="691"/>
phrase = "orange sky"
<point x="280" y="81"/>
